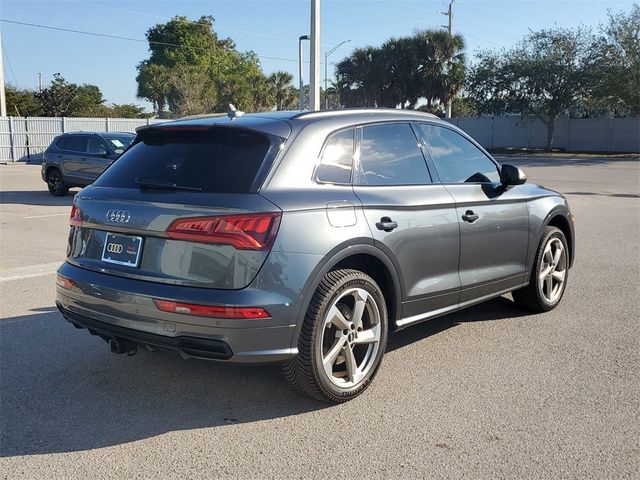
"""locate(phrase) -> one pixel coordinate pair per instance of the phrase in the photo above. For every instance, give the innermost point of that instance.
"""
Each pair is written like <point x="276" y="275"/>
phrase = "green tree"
<point x="57" y="99"/>
<point x="154" y="85"/>
<point x="127" y="110"/>
<point x="428" y="65"/>
<point x="543" y="75"/>
<point x="88" y="102"/>
<point x="22" y="102"/>
<point x="284" y="93"/>
<point x="192" y="71"/>
<point x="614" y="65"/>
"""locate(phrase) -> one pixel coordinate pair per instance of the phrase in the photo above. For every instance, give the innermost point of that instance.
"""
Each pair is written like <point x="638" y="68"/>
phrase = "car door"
<point x="494" y="221"/>
<point x="73" y="158"/>
<point x="98" y="157"/>
<point x="412" y="219"/>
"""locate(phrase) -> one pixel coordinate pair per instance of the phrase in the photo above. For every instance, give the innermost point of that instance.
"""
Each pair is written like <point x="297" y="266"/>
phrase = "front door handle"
<point x="469" y="216"/>
<point x="386" y="224"/>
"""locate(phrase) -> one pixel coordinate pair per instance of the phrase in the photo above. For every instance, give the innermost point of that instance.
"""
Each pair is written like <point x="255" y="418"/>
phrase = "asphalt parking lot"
<point x="490" y="392"/>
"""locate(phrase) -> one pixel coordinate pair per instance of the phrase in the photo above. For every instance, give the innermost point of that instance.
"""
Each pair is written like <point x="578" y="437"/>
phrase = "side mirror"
<point x="510" y="175"/>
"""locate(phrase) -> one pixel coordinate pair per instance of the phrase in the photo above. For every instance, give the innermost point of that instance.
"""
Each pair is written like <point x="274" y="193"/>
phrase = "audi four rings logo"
<point x="114" y="248"/>
<point x="118" y="216"/>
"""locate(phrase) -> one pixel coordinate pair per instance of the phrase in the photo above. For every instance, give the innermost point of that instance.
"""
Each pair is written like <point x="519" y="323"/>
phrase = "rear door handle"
<point x="386" y="224"/>
<point x="469" y="216"/>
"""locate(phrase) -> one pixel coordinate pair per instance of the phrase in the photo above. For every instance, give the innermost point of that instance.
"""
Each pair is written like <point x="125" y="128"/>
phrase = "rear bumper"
<point x="118" y="308"/>
<point x="189" y="346"/>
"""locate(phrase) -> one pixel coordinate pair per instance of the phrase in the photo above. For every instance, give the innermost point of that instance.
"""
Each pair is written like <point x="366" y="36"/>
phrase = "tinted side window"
<point x="337" y="157"/>
<point x="95" y="146"/>
<point x="75" y="144"/>
<point x="390" y="155"/>
<point x="456" y="158"/>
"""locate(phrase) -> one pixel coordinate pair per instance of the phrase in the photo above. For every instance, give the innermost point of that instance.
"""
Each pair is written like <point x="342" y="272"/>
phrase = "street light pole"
<point x="301" y="69"/>
<point x="326" y="79"/>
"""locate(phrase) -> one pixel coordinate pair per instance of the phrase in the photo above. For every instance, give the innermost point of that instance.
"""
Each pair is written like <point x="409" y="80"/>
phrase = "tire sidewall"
<point x="63" y="190"/>
<point x="553" y="233"/>
<point x="364" y="282"/>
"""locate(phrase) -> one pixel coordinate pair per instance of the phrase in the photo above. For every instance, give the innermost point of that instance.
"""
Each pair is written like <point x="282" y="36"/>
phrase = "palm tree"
<point x="154" y="84"/>
<point x="283" y="89"/>
<point x="442" y="65"/>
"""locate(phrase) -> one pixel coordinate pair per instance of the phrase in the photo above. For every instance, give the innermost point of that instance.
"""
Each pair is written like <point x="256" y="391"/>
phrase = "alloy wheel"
<point x="553" y="270"/>
<point x="351" y="338"/>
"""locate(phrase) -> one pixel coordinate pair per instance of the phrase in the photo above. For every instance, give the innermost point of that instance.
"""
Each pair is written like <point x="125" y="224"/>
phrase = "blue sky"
<point x="270" y="28"/>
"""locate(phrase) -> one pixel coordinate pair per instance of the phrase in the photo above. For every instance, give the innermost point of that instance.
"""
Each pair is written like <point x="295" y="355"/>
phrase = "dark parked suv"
<point x="77" y="159"/>
<point x="304" y="238"/>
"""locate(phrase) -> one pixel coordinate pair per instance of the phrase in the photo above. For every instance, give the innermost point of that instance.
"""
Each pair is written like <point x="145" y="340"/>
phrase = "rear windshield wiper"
<point x="160" y="185"/>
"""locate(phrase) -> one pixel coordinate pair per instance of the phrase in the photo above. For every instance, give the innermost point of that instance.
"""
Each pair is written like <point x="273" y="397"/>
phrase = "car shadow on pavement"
<point x="62" y="391"/>
<point x="499" y="308"/>
<point x="35" y="197"/>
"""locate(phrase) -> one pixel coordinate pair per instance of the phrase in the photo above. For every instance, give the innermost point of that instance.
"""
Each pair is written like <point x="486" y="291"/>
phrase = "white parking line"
<point x="48" y="215"/>
<point x="29" y="271"/>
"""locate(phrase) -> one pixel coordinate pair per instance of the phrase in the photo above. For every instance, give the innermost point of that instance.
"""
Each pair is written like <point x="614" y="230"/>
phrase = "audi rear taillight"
<point x="75" y="217"/>
<point x="216" y="311"/>
<point x="252" y="231"/>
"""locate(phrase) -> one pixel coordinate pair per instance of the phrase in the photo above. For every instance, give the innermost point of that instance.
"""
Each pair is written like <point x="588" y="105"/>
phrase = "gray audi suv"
<point x="304" y="238"/>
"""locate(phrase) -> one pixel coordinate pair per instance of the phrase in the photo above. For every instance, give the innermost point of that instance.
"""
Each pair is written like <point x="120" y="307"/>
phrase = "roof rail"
<point x="349" y="111"/>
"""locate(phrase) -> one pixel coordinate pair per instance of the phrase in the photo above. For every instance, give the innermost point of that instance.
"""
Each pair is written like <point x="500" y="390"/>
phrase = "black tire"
<point x="533" y="296"/>
<point x="55" y="183"/>
<point x="305" y="372"/>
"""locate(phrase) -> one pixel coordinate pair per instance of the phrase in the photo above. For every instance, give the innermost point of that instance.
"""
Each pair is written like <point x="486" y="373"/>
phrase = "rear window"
<point x="215" y="160"/>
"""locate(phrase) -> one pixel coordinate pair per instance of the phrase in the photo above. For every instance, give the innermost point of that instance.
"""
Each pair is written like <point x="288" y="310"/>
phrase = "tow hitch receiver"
<point x="120" y="345"/>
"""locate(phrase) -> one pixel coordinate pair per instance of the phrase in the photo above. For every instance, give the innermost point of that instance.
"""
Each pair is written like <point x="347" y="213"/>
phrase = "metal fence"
<point x="570" y="134"/>
<point x="27" y="138"/>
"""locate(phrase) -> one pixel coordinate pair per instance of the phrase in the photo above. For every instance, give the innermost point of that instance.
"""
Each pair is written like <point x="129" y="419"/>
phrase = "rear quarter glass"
<point x="214" y="160"/>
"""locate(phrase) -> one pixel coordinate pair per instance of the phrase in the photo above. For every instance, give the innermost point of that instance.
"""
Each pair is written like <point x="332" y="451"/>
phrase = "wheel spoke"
<point x="556" y="256"/>
<point x="558" y="275"/>
<point x="368" y="336"/>
<point x="350" y="362"/>
<point x="549" y="283"/>
<point x="361" y="297"/>
<point x="333" y="353"/>
<point x="335" y="316"/>
<point x="545" y="273"/>
<point x="547" y="256"/>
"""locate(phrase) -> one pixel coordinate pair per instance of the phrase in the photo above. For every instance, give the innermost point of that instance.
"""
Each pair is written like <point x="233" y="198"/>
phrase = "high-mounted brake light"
<point x="216" y="311"/>
<point x="75" y="217"/>
<point x="253" y="231"/>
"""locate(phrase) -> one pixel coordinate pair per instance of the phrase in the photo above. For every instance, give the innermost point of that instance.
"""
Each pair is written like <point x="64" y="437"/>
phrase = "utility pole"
<point x="3" y="99"/>
<point x="314" y="80"/>
<point x="449" y="13"/>
<point x="39" y="82"/>
<point x="301" y="69"/>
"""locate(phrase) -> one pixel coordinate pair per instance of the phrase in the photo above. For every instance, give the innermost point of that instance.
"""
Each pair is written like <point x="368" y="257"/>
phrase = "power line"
<point x="161" y="17"/>
<point x="6" y="57"/>
<point x="130" y="39"/>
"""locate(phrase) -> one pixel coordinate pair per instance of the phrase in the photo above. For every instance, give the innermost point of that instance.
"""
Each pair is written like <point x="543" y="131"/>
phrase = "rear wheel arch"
<point x="359" y="255"/>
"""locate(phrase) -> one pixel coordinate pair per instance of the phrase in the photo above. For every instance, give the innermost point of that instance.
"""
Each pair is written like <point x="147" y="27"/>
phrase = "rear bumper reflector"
<point x="215" y="311"/>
